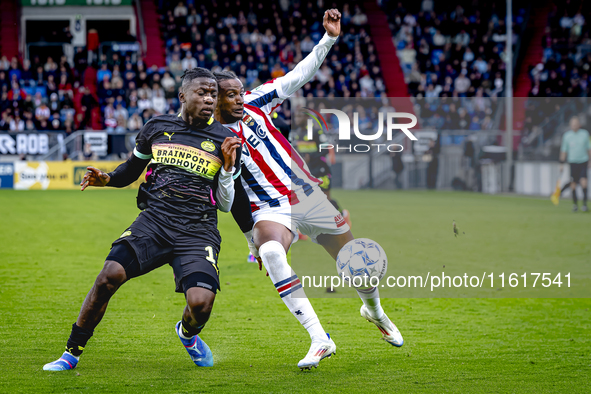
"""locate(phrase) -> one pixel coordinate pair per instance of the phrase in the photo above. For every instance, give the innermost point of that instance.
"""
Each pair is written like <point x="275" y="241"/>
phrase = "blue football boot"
<point x="65" y="362"/>
<point x="197" y="349"/>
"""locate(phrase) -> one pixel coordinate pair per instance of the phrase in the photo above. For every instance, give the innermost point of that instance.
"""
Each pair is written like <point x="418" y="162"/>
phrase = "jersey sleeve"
<point x="564" y="145"/>
<point x="225" y="191"/>
<point x="237" y="164"/>
<point x="143" y="142"/>
<point x="271" y="94"/>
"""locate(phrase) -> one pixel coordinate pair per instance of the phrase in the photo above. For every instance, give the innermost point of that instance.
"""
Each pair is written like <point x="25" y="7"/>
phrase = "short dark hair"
<point x="224" y="75"/>
<point x="197" y="72"/>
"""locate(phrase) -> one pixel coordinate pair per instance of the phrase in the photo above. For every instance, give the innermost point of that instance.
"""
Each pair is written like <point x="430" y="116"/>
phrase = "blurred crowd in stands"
<point x="258" y="40"/>
<point x="565" y="70"/>
<point x="57" y="96"/>
<point x="452" y="55"/>
<point x="454" y="50"/>
<point x="38" y="95"/>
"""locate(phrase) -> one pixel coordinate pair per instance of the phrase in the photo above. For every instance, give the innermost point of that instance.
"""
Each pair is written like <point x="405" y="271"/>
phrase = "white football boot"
<point x="391" y="333"/>
<point x="318" y="350"/>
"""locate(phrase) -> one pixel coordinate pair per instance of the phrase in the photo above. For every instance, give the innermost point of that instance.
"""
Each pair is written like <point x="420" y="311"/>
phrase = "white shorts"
<point x="312" y="216"/>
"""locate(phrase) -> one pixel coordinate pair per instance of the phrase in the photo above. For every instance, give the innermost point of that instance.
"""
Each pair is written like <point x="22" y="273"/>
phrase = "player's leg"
<point x="198" y="309"/>
<point x="574" y="174"/>
<point x="584" y="187"/>
<point x="273" y="240"/>
<point x="108" y="281"/>
<point x="573" y="190"/>
<point x="564" y="187"/>
<point x="370" y="297"/>
<point x="197" y="276"/>
<point x="334" y="243"/>
<point x="326" y="225"/>
<point x="200" y="290"/>
<point x="120" y="261"/>
<point x="343" y="212"/>
<point x="137" y="252"/>
<point x="266" y="231"/>
<point x="372" y="309"/>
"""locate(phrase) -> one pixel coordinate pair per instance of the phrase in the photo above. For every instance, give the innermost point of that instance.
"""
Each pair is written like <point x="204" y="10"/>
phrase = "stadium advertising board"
<point x="6" y="175"/>
<point x="28" y="144"/>
<point x="98" y="140"/>
<point x="51" y="3"/>
<point x="65" y="175"/>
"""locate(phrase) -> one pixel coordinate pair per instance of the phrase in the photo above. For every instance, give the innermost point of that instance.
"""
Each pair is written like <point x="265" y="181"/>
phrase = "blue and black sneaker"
<point x="197" y="349"/>
<point x="65" y="362"/>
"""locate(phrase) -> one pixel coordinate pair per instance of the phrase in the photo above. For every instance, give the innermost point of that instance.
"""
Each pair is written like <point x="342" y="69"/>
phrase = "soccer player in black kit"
<point x="190" y="175"/>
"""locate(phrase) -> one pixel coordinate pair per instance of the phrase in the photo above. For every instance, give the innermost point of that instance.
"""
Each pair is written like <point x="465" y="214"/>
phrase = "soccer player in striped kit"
<point x="285" y="197"/>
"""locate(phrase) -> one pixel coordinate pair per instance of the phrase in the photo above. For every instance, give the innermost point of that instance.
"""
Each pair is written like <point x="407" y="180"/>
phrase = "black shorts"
<point x="193" y="250"/>
<point x="578" y="171"/>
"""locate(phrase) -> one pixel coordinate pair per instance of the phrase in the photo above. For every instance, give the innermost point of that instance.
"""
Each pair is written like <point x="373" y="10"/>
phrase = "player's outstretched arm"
<point x="270" y="95"/>
<point x="124" y="175"/>
<point x="306" y="69"/>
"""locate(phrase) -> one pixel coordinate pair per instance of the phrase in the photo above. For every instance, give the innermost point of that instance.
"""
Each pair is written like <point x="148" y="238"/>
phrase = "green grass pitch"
<point x="53" y="244"/>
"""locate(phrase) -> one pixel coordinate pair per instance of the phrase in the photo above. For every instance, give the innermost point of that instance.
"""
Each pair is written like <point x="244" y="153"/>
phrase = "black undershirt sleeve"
<point x="241" y="207"/>
<point x="127" y="173"/>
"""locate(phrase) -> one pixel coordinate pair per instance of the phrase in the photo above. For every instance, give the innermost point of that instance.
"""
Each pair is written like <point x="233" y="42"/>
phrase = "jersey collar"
<point x="233" y="126"/>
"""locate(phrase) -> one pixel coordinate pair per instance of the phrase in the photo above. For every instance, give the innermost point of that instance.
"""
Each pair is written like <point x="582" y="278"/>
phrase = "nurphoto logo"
<point x="344" y="134"/>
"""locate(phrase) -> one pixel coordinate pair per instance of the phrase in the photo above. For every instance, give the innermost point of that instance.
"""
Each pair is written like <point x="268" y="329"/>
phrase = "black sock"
<point x="585" y="196"/>
<point x="78" y="338"/>
<point x="566" y="186"/>
<point x="574" y="196"/>
<point x="188" y="330"/>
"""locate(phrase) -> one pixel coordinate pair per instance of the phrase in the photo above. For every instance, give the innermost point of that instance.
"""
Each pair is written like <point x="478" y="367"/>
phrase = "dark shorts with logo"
<point x="578" y="171"/>
<point x="189" y="252"/>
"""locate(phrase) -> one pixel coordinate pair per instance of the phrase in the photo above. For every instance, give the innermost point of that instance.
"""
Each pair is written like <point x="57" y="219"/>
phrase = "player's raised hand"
<point x="332" y="22"/>
<point x="94" y="177"/>
<point x="229" y="151"/>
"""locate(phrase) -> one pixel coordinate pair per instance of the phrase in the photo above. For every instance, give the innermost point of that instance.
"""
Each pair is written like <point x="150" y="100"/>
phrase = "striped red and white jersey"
<point x="273" y="173"/>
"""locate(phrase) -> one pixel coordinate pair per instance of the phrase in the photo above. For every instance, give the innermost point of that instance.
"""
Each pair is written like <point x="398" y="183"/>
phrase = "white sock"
<point x="288" y="285"/>
<point x="181" y="332"/>
<point x="371" y="299"/>
<point x="70" y="354"/>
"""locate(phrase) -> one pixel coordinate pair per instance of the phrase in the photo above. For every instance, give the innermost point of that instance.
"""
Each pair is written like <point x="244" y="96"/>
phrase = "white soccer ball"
<point x="361" y="258"/>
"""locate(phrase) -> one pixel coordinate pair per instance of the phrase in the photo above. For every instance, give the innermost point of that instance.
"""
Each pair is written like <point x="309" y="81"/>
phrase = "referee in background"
<point x="575" y="150"/>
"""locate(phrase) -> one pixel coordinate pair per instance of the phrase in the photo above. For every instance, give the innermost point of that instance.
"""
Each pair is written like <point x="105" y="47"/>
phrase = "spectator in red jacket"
<point x="16" y="93"/>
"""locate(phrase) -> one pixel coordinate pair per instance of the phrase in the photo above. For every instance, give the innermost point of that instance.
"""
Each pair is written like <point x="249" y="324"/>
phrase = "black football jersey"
<point x="182" y="176"/>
